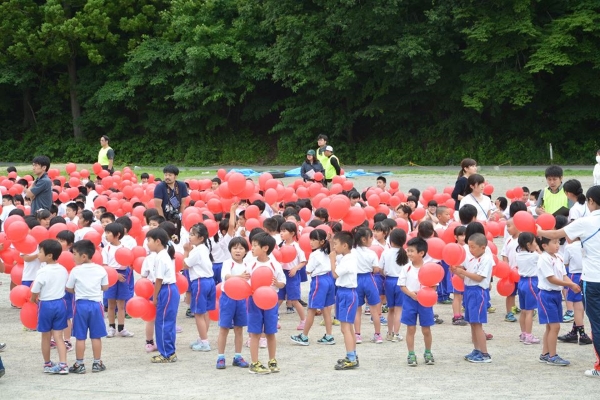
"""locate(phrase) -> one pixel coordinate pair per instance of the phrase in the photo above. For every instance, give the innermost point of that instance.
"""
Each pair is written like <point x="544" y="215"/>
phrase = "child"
<point x="344" y="270"/>
<point x="475" y="197"/>
<point x="509" y="255"/>
<point x="71" y="213"/>
<point x="198" y="261"/>
<point x="527" y="259"/>
<point x="66" y="239"/>
<point x="233" y="313"/>
<point x="392" y="260"/>
<point x="87" y="280"/>
<point x="552" y="198"/>
<point x="476" y="271"/>
<point x="49" y="288"/>
<point x="8" y="205"/>
<point x="551" y="279"/>
<point x="322" y="288"/>
<point x="166" y="295"/>
<point x="443" y="216"/>
<point x="457" y="318"/>
<point x="119" y="292"/>
<point x="381" y="183"/>
<point x="264" y="321"/>
<point x="408" y="281"/>
<point x="573" y="259"/>
<point x="288" y="232"/>
<point x="431" y="212"/>
<point x="147" y="271"/>
<point x="43" y="217"/>
<point x="84" y="223"/>
<point x="220" y="243"/>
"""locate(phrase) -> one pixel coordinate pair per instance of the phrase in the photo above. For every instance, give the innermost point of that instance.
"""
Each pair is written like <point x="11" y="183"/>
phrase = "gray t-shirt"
<point x="42" y="189"/>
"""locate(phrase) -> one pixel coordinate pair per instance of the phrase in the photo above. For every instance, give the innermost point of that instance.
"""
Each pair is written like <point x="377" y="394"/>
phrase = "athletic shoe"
<point x="336" y="322"/>
<point x="491" y="310"/>
<point x="52" y="344"/>
<point x="557" y="361"/>
<point x="383" y="320"/>
<point x="262" y="343"/>
<point x="125" y="333"/>
<point x="150" y="348"/>
<point x="510" y="317"/>
<point x="486" y="357"/>
<point x="326" y="339"/>
<point x="569" y="316"/>
<point x="585" y="339"/>
<point x="240" y="362"/>
<point x="221" y="363"/>
<point x="437" y="319"/>
<point x="178" y="329"/>
<point x="189" y="313"/>
<point x="48" y="367"/>
<point x="544" y="358"/>
<point x="59" y="369"/>
<point x="478" y="358"/>
<point x="302" y="303"/>
<point x="592" y="373"/>
<point x="127" y="316"/>
<point x="522" y="336"/>
<point x="346" y="364"/>
<point x="258" y="368"/>
<point x="390" y="336"/>
<point x="367" y="310"/>
<point x="466" y="357"/>
<point x="515" y="310"/>
<point x="377" y="338"/>
<point x="69" y="346"/>
<point x="429" y="360"/>
<point x="459" y="321"/>
<point x="447" y="301"/>
<point x="198" y="341"/>
<point x="273" y="366"/>
<point x="530" y="339"/>
<point x="98" y="366"/>
<point x="111" y="332"/>
<point x="488" y="336"/>
<point x="160" y="359"/>
<point x="345" y="359"/>
<point x="300" y="339"/>
<point x="358" y="338"/>
<point x="397" y="338"/>
<point x="77" y="369"/>
<point x="384" y="308"/>
<point x="2" y="346"/>
<point x="300" y="326"/>
<point x="201" y="347"/>
<point x="570" y="337"/>
<point x="289" y="310"/>
<point x="411" y="360"/>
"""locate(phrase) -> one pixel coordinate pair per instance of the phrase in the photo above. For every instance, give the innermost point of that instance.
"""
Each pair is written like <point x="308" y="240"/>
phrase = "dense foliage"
<point x="254" y="81"/>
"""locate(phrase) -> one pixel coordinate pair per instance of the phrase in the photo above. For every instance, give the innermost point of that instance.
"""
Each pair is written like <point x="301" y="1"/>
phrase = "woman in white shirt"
<point x="475" y="197"/>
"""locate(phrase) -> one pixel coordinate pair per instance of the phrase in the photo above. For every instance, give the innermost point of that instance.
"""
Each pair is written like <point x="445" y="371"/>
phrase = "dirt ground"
<point x="307" y="372"/>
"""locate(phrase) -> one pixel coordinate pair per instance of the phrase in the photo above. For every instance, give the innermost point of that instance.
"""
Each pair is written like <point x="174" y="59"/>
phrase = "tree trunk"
<point x="28" y="114"/>
<point x="75" y="108"/>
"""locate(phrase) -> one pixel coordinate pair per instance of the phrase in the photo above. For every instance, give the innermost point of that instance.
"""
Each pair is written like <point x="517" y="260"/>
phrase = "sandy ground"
<point x="307" y="372"/>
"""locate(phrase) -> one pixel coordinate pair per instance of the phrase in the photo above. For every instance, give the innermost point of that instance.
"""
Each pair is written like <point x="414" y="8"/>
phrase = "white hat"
<point x="329" y="148"/>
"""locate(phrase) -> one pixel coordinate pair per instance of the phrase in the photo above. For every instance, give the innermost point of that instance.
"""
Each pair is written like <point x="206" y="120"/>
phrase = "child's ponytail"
<point x="398" y="238"/>
<point x="320" y="234"/>
<point x="359" y="233"/>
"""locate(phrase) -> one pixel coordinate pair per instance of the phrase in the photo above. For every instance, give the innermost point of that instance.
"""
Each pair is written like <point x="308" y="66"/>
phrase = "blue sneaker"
<point x="544" y="358"/>
<point x="478" y="358"/>
<point x="471" y="354"/>
<point x="383" y="321"/>
<point x="556" y="360"/>
<point x="487" y="358"/>
<point x="240" y="362"/>
<point x="221" y="363"/>
<point x="510" y="317"/>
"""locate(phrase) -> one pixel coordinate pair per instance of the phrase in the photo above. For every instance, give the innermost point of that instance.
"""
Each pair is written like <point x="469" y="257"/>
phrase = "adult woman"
<point x="587" y="229"/>
<point x="310" y="167"/>
<point x="468" y="167"/>
<point x="475" y="197"/>
<point x="574" y="193"/>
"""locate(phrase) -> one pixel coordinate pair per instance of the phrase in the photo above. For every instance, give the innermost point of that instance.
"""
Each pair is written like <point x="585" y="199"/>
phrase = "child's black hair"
<point x="57" y="220"/>
<point x="398" y="238"/>
<point x="159" y="219"/>
<point x="201" y="231"/>
<point x="148" y="213"/>
<point x="382" y="227"/>
<point x="503" y="203"/>
<point x="419" y="244"/>
<point x="315" y="222"/>
<point x="270" y="225"/>
<point x="320" y="234"/>
<point x="561" y="222"/>
<point x="264" y="239"/>
<point x="73" y="206"/>
<point x="289" y="227"/>
<point x="171" y="230"/>
<point x="116" y="229"/>
<point x="255" y="232"/>
<point x="238" y="240"/>
<point x="574" y="186"/>
<point x="425" y="230"/>
<point x="108" y="215"/>
<point x="472" y="228"/>
<point x="52" y="247"/>
<point x="360" y="234"/>
<point x="17" y="211"/>
<point x="467" y="214"/>
<point x="525" y="238"/>
<point x="87" y="216"/>
<point x="84" y="247"/>
<point x="379" y="217"/>
<point x="43" y="214"/>
<point x="460" y="230"/>
<point x="31" y="221"/>
<point x="322" y="213"/>
<point x="67" y="236"/>
<point x="162" y="236"/>
<point x="344" y="237"/>
<point x="515" y="207"/>
<point x="126" y="222"/>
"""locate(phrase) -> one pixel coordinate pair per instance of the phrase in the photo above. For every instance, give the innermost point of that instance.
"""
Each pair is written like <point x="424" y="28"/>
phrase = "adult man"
<point x="333" y="165"/>
<point x="106" y="155"/>
<point x="322" y="143"/>
<point x="170" y="195"/>
<point x="40" y="193"/>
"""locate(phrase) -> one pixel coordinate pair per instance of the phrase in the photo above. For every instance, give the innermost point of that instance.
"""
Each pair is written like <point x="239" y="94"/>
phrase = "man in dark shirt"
<point x="170" y="195"/>
<point x="40" y="193"/>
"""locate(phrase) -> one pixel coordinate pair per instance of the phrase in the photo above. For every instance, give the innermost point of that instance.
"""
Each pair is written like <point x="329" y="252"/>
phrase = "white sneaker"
<point x="201" y="347"/>
<point x="592" y="373"/>
<point x="197" y="341"/>
<point x="125" y="333"/>
<point x="110" y="332"/>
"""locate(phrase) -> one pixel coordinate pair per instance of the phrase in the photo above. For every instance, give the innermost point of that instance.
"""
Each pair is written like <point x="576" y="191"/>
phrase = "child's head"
<point x="342" y="242"/>
<point x="354" y="197"/>
<point x="459" y="234"/>
<point x="318" y="240"/>
<point x="381" y="182"/>
<point x="593" y="197"/>
<point x="425" y="230"/>
<point x="397" y="237"/>
<point x="66" y="239"/>
<point x="467" y="214"/>
<point x="511" y="228"/>
<point x="57" y="220"/>
<point x="107" y="218"/>
<point x="149" y="213"/>
<point x="476" y="184"/>
<point x="238" y="247"/>
<point x="270" y="225"/>
<point x="7" y="200"/>
<point x="416" y="248"/>
<point x="98" y="212"/>
<point x="525" y="196"/>
<point x="50" y="250"/>
<point x="574" y="191"/>
<point x="254" y="232"/>
<point x="288" y="231"/>
<point x="215" y="183"/>
<point x="404" y="211"/>
<point x="501" y="203"/>
<point x="473" y="228"/>
<point x="477" y="244"/>
<point x="412" y="202"/>
<point x="198" y="234"/>
<point x="432" y="207"/>
<point x="171" y="230"/>
<point x="155" y="220"/>
<point x="86" y="219"/>
<point x="31" y="221"/>
<point x="515" y="207"/>
<point x="72" y="210"/>
<point x="528" y="242"/>
<point x="158" y="239"/>
<point x="126" y="222"/>
<point x="554" y="175"/>
<point x="535" y="195"/>
<point x="322" y="214"/>
<point x="114" y="232"/>
<point x="550" y="246"/>
<point x="144" y="177"/>
<point x="363" y="237"/>
<point x="43" y="217"/>
<point x="381" y="230"/>
<point x="83" y="251"/>
<point x="468" y="166"/>
<point x="262" y="245"/>
<point x="443" y="214"/>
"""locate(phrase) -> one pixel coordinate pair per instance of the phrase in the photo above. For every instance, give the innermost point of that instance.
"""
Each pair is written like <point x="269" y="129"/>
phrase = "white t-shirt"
<point x="550" y="266"/>
<point x="80" y="233"/>
<point x="318" y="263"/>
<point x="527" y="263"/>
<point x="587" y="229"/>
<point x="509" y="250"/>
<point x="388" y="262"/>
<point x="409" y="277"/>
<point x="300" y="257"/>
<point x="89" y="200"/>
<point x="578" y="210"/>
<point x="366" y="259"/>
<point x="199" y="263"/>
<point x="31" y="268"/>
<point x="220" y="249"/>
<point x="481" y="266"/>
<point x="50" y="282"/>
<point x="483" y="205"/>
<point x="230" y="267"/>
<point x="164" y="267"/>
<point x="275" y="267"/>
<point x="147" y="270"/>
<point x="346" y="270"/>
<point x="573" y="257"/>
<point x="128" y="242"/>
<point x="108" y="256"/>
<point x="87" y="280"/>
<point x="5" y="211"/>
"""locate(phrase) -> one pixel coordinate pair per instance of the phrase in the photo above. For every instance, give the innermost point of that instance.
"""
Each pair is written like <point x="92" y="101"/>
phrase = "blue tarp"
<point x="293" y="173"/>
<point x="247" y="172"/>
<point x="349" y="174"/>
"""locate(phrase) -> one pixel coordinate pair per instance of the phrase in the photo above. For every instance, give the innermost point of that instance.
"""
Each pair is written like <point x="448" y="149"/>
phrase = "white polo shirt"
<point x="550" y="266"/>
<point x="164" y="267"/>
<point x="318" y="263"/>
<point x="346" y="271"/>
<point x="199" y="263"/>
<point x="87" y="280"/>
<point x="409" y="278"/>
<point x="388" y="262"/>
<point x="50" y="282"/>
<point x="587" y="229"/>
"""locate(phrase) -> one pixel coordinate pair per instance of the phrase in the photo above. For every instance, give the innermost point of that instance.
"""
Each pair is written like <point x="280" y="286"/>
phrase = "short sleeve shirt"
<point x="164" y="193"/>
<point x="42" y="189"/>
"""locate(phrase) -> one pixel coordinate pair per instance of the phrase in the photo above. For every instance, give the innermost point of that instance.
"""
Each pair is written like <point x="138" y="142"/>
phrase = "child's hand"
<point x="293" y="272"/>
<point x="154" y="300"/>
<point x="575" y="288"/>
<point x="188" y="247"/>
<point x="274" y="282"/>
<point x="245" y="275"/>
<point x="234" y="206"/>
<point x="121" y="277"/>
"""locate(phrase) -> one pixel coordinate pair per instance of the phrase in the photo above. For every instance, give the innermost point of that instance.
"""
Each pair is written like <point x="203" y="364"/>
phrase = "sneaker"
<point x="390" y="336"/>
<point x="397" y="338"/>
<point x="98" y="366"/>
<point x="178" y="329"/>
<point x="69" y="346"/>
<point x="478" y="358"/>
<point x="570" y="337"/>
<point x="486" y="357"/>
<point x="48" y="367"/>
<point x="258" y="368"/>
<point x="522" y="336"/>
<point x="302" y="303"/>
<point x="358" y="338"/>
<point x="77" y="369"/>
<point x="447" y="301"/>
<point x="110" y="332"/>
<point x="383" y="320"/>
<point x="569" y="316"/>
<point x="57" y="369"/>
<point x="429" y="360"/>
<point x="125" y="333"/>
<point x="197" y="341"/>
<point x="377" y="338"/>
<point x="384" y="309"/>
<point x="289" y="310"/>
<point x="221" y="363"/>
<point x="150" y="348"/>
<point x="412" y="360"/>
<point x="346" y="364"/>
<point x="515" y="310"/>
<point x="530" y="339"/>
<point x="510" y="317"/>
<point x="592" y="373"/>
<point x="491" y="310"/>
<point x="345" y="359"/>
<point x="459" y="321"/>
<point x="189" y="313"/>
<point x="201" y="347"/>
<point x="471" y="354"/>
<point x="326" y="339"/>
<point x="488" y="336"/>
<point x="544" y="358"/>
<point x="127" y="316"/>
<point x="557" y="361"/>
<point x="336" y="322"/>
<point x="437" y="319"/>
<point x="160" y="359"/>
<point x="52" y="344"/>
<point x="240" y="362"/>
<point x="300" y="339"/>
<point x="273" y="366"/>
<point x="300" y="326"/>
<point x="262" y="343"/>
<point x="584" y="339"/>
<point x="367" y="310"/>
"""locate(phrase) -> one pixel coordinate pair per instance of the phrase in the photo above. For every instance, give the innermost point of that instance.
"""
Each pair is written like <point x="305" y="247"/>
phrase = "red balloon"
<point x="338" y="207"/>
<point x="354" y="217"/>
<point x="546" y="221"/>
<point x="418" y="214"/>
<point x="19" y="295"/>
<point x="458" y="283"/>
<point x="179" y="262"/>
<point x="271" y="196"/>
<point x="16" y="231"/>
<point x="39" y="233"/>
<point x="453" y="254"/>
<point x="139" y="251"/>
<point x="214" y="314"/>
<point x="377" y="249"/>
<point x="288" y="253"/>
<point x="219" y="289"/>
<point x="144" y="288"/>
<point x="237" y="183"/>
<point x="70" y="168"/>
<point x="514" y="276"/>
<point x="524" y="222"/>
<point x="265" y="297"/>
<point x="137" y="306"/>
<point x="211" y="226"/>
<point x="435" y="247"/>
<point x="29" y="315"/>
<point x="427" y="297"/>
<point x="501" y="270"/>
<point x="505" y="287"/>
<point x="261" y="276"/>
<point x="137" y="264"/>
<point x="27" y="245"/>
<point x="252" y="212"/>
<point x="374" y="200"/>
<point x="305" y="214"/>
<point x="16" y="274"/>
<point x="66" y="260"/>
<point x="124" y="256"/>
<point x="113" y="275"/>
<point x="237" y="288"/>
<point x="94" y="237"/>
<point x="55" y="229"/>
<point x="488" y="190"/>
<point x="182" y="283"/>
<point x="150" y="314"/>
<point x="401" y="223"/>
<point x="431" y="274"/>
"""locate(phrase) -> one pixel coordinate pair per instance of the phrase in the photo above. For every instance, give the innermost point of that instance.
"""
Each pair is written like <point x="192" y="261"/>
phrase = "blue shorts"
<point x="217" y="272"/>
<point x="528" y="292"/>
<point x="346" y="303"/>
<point x="88" y="315"/>
<point x="571" y="295"/>
<point x="120" y="290"/>
<point x="475" y="301"/>
<point x="52" y="315"/>
<point x="394" y="294"/>
<point x="186" y="273"/>
<point x="367" y="288"/>
<point x="379" y="282"/>
<point x="26" y="283"/>
<point x="303" y="275"/>
<point x="411" y="309"/>
<point x="550" y="307"/>
<point x="261" y="321"/>
<point x="232" y="312"/>
<point x="69" y="299"/>
<point x="322" y="291"/>
<point x="291" y="290"/>
<point x="204" y="295"/>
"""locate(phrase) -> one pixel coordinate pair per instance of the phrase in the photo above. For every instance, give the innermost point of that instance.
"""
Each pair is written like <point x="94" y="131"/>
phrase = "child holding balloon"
<point x="458" y="319"/>
<point x="147" y="271"/>
<point x="392" y="261"/>
<point x="527" y="259"/>
<point x="291" y="291"/>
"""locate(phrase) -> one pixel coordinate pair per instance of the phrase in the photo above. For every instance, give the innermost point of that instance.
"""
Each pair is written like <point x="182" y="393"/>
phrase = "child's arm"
<point x="28" y="258"/>
<point x="471" y="275"/>
<point x="294" y="270"/>
<point x="408" y="292"/>
<point x="157" y="286"/>
<point x="566" y="282"/>
<point x="71" y="290"/>
<point x="332" y="259"/>
<point x="34" y="297"/>
<point x="104" y="287"/>
<point x="232" y="217"/>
